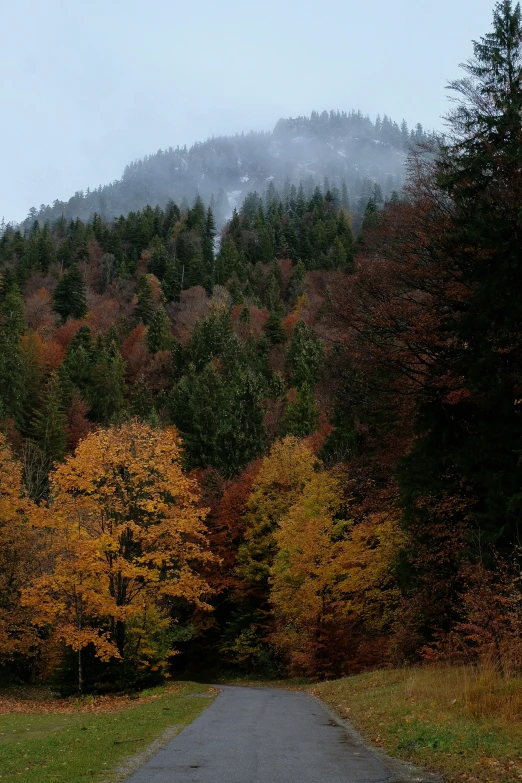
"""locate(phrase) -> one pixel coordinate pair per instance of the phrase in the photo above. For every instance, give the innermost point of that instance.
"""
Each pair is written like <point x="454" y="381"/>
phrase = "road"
<point x="263" y="735"/>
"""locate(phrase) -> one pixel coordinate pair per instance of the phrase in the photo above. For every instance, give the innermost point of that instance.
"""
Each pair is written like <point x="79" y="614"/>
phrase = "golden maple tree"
<point x="129" y="542"/>
<point x="331" y="578"/>
<point x="283" y="475"/>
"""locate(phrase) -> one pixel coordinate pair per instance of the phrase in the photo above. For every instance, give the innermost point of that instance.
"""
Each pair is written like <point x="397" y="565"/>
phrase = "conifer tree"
<point x="227" y="262"/>
<point x="208" y="241"/>
<point x="70" y="296"/>
<point x="305" y="355"/>
<point x="273" y="329"/>
<point x="302" y="415"/>
<point x="12" y="325"/>
<point x="159" y="335"/>
<point x="144" y="309"/>
<point x="48" y="425"/>
<point x="171" y="283"/>
<point x="107" y="388"/>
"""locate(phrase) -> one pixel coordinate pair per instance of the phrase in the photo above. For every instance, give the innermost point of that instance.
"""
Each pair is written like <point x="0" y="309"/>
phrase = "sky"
<point x="88" y="87"/>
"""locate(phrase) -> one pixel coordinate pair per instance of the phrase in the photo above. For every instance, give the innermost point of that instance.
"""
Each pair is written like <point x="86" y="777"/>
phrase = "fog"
<point x="89" y="87"/>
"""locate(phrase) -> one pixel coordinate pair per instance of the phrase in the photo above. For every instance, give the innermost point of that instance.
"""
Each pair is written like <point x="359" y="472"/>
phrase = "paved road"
<point x="262" y="735"/>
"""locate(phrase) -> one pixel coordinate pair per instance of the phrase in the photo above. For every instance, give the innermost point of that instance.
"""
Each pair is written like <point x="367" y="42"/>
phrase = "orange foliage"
<point x="53" y="355"/>
<point x="17" y="559"/>
<point x="255" y="324"/>
<point x="128" y="541"/>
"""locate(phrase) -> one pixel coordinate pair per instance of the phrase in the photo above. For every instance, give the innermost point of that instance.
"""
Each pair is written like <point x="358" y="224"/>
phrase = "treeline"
<point x="355" y="123"/>
<point x="343" y="146"/>
<point x="295" y="451"/>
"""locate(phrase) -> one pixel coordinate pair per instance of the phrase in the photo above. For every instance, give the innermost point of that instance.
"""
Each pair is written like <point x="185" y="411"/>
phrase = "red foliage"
<point x="103" y="312"/>
<point x="64" y="334"/>
<point x="53" y="355"/>
<point x="39" y="314"/>
<point x="159" y="371"/>
<point x="193" y="306"/>
<point x="226" y="524"/>
<point x="78" y="427"/>
<point x="135" y="352"/>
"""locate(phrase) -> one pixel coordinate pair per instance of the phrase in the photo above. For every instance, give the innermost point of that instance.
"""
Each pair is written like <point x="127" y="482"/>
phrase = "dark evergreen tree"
<point x="145" y="308"/>
<point x="159" y="334"/>
<point x="12" y="324"/>
<point x="70" y="296"/>
<point x="305" y="356"/>
<point x="301" y="415"/>
<point x="48" y="425"/>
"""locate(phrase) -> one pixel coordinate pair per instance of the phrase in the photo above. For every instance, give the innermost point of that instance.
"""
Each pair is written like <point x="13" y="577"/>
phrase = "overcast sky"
<point x="89" y="86"/>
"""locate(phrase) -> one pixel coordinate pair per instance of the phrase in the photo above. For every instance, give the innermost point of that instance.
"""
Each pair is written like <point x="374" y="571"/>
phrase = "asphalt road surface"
<point x="262" y="735"/>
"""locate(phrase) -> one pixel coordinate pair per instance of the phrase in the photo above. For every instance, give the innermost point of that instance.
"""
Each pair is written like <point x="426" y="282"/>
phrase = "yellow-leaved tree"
<point x="333" y="582"/>
<point x="307" y="576"/>
<point x="282" y="476"/>
<point x="17" y="558"/>
<point x="129" y="545"/>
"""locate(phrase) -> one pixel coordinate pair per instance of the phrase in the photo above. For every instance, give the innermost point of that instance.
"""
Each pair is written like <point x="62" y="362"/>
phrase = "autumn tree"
<point x="334" y="588"/>
<point x="307" y="575"/>
<point x="18" y="550"/>
<point x="282" y="476"/>
<point x="129" y="544"/>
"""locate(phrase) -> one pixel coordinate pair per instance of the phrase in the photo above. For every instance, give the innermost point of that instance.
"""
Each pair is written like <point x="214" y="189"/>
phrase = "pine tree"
<point x="144" y="309"/>
<point x="476" y="440"/>
<point x="305" y="355"/>
<point x="12" y="324"/>
<point x="159" y="335"/>
<point x="302" y="415"/>
<point x="273" y="329"/>
<point x="70" y="296"/>
<point x="208" y="241"/>
<point x="171" y="283"/>
<point x="227" y="262"/>
<point x="159" y="258"/>
<point x="77" y="366"/>
<point x="48" y="425"/>
<point x="107" y="387"/>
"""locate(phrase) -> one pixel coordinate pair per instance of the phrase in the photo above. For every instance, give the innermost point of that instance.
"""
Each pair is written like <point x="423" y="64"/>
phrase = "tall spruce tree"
<point x="48" y="426"/>
<point x="12" y="324"/>
<point x="469" y="441"/>
<point x="70" y="295"/>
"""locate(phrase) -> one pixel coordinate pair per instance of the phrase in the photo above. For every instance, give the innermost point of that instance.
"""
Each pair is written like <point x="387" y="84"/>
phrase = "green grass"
<point x="81" y="747"/>
<point x="454" y="721"/>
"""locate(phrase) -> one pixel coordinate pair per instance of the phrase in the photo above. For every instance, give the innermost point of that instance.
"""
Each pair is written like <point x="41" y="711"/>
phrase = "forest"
<point x="290" y="446"/>
<point x="342" y="146"/>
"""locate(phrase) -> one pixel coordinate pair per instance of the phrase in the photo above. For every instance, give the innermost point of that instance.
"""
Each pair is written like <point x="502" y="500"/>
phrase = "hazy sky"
<point x="89" y="85"/>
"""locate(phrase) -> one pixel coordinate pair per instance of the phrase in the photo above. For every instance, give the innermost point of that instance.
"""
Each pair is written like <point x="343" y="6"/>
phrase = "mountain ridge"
<point x="339" y="146"/>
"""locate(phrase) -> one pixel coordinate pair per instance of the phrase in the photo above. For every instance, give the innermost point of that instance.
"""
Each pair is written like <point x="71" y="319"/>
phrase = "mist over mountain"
<point x="343" y="147"/>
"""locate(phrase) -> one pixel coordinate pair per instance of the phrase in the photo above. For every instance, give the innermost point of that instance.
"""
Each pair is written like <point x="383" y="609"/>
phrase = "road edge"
<point x="400" y="771"/>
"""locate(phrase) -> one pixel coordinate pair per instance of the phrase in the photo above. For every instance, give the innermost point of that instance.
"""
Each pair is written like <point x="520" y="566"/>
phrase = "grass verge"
<point x="463" y="723"/>
<point x="85" y="745"/>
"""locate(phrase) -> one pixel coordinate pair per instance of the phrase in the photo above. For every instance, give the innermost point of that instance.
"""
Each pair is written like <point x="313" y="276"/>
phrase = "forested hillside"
<point x="293" y="451"/>
<point x="343" y="147"/>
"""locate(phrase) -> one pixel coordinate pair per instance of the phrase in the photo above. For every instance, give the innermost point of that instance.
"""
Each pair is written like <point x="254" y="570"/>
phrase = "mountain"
<point x="339" y="146"/>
